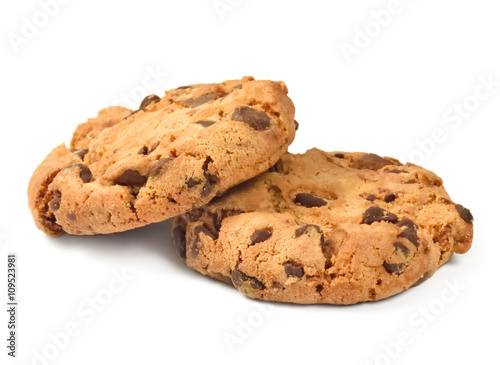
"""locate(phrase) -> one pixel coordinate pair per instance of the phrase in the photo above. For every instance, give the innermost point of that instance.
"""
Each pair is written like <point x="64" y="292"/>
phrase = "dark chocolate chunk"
<point x="143" y="150"/>
<point x="296" y="125"/>
<point x="85" y="173"/>
<point x="159" y="165"/>
<point x="131" y="178"/>
<point x="399" y="246"/>
<point x="238" y="278"/>
<point x="339" y="155"/>
<point x="308" y="200"/>
<point x="370" y="161"/>
<point x="371" y="197"/>
<point x="409" y="231"/>
<point x="80" y="153"/>
<point x="302" y="230"/>
<point x="223" y="214"/>
<point x="202" y="229"/>
<point x="273" y="168"/>
<point x="293" y="269"/>
<point x="394" y="268"/>
<point x="390" y="197"/>
<point x="376" y="214"/>
<point x="193" y="182"/>
<point x="184" y="87"/>
<point x="464" y="213"/>
<point x="209" y="184"/>
<point x="205" y="123"/>
<point x="256" y="284"/>
<point x="196" y="245"/>
<point x="260" y="235"/>
<point x="71" y="216"/>
<point x="194" y="102"/>
<point x="256" y="119"/>
<point x="179" y="241"/>
<point x="55" y="202"/>
<point x="424" y="277"/>
<point x="211" y="180"/>
<point x="319" y="288"/>
<point x="148" y="100"/>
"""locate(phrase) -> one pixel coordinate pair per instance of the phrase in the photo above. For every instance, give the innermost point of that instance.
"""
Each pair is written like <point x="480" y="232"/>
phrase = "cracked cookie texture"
<point x="321" y="227"/>
<point x="126" y="169"/>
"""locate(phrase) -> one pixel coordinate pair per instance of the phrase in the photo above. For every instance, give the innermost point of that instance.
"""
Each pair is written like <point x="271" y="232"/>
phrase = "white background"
<point x="394" y="94"/>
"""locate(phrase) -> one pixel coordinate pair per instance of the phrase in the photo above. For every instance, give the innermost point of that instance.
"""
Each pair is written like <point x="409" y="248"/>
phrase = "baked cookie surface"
<point x="322" y="227"/>
<point x="126" y="169"/>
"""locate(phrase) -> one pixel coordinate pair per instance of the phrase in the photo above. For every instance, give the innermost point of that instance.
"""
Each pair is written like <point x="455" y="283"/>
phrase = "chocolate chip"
<point x="399" y="246"/>
<point x="260" y="235"/>
<point x="196" y="245"/>
<point x="339" y="155"/>
<point x="184" y="87"/>
<point x="85" y="173"/>
<point x="209" y="184"/>
<point x="376" y="214"/>
<point x="409" y="231"/>
<point x="397" y="172"/>
<point x="55" y="202"/>
<point x="71" y="216"/>
<point x="205" y="123"/>
<point x="371" y="197"/>
<point x="143" y="150"/>
<point x="273" y="168"/>
<point x="256" y="284"/>
<point x="194" y="102"/>
<point x="424" y="277"/>
<point x="80" y="153"/>
<point x="256" y="119"/>
<point x="308" y="200"/>
<point x="238" y="278"/>
<point x="223" y="214"/>
<point x="192" y="182"/>
<point x="211" y="180"/>
<point x="390" y="197"/>
<point x="370" y="161"/>
<point x="302" y="230"/>
<point x="131" y="178"/>
<point x="464" y="213"/>
<point x="296" y="125"/>
<point x="179" y="241"/>
<point x="394" y="268"/>
<point x="159" y="165"/>
<point x="148" y="100"/>
<point x="293" y="269"/>
<point x="319" y="288"/>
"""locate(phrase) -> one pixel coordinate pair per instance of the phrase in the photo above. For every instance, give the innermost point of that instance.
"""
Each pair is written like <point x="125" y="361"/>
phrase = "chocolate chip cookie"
<point x="322" y="227"/>
<point x="126" y="169"/>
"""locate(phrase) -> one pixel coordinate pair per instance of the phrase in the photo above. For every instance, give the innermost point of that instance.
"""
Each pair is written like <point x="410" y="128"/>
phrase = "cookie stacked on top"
<point x="319" y="227"/>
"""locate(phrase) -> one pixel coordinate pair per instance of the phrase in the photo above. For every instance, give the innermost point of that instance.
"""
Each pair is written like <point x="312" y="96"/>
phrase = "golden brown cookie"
<point x="324" y="227"/>
<point x="126" y="169"/>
